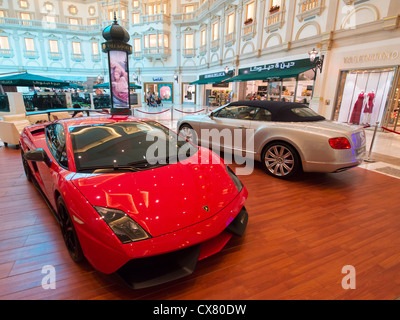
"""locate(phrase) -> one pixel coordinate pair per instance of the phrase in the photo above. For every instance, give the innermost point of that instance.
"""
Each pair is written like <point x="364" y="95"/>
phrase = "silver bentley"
<point x="286" y="137"/>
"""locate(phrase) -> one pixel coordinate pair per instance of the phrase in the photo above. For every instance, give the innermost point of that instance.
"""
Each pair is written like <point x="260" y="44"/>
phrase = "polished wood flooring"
<point x="300" y="235"/>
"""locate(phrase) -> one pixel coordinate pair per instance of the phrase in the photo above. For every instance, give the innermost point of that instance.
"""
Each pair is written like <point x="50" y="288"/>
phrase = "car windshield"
<point x="126" y="146"/>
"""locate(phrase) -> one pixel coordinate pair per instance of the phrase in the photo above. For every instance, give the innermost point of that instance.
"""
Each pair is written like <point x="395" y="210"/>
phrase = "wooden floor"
<point x="300" y="235"/>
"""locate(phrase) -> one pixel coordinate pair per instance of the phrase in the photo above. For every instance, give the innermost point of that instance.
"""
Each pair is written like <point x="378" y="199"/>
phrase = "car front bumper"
<point x="210" y="235"/>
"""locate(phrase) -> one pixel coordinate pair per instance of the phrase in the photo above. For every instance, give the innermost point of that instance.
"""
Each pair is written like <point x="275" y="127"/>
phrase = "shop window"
<point x="50" y="19"/>
<point x="23" y="4"/>
<point x="4" y="45"/>
<point x="203" y="37"/>
<point x="363" y="95"/>
<point x="275" y="6"/>
<point x="25" y="16"/>
<point x="249" y="14"/>
<point x="29" y="44"/>
<point x="135" y="18"/>
<point x="137" y="46"/>
<point x="230" y="23"/>
<point x="92" y="10"/>
<point x="72" y="9"/>
<point x="189" y="8"/>
<point x="48" y="6"/>
<point x="74" y="21"/>
<point x="215" y="31"/>
<point x="189" y="93"/>
<point x="53" y="44"/>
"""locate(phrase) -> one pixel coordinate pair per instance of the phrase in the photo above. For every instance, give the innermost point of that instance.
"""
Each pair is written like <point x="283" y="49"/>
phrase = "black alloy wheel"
<point x="68" y="231"/>
<point x="280" y="160"/>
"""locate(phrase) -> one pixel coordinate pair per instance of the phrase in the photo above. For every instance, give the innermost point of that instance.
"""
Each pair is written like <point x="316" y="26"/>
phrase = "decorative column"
<point x="117" y="49"/>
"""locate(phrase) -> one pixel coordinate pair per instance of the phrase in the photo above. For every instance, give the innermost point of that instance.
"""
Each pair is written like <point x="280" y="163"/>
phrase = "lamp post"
<point x="317" y="63"/>
<point x="117" y="49"/>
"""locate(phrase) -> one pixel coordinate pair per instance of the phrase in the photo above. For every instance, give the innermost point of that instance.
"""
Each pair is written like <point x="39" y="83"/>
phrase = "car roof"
<point x="280" y="110"/>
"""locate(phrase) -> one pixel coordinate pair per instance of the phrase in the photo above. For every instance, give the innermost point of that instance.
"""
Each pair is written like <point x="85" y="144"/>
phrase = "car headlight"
<point x="235" y="179"/>
<point x="124" y="227"/>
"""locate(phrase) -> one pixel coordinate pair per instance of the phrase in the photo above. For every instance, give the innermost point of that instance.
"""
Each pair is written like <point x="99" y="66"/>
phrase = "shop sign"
<point x="214" y="75"/>
<point x="158" y="79"/>
<point x="277" y="66"/>
<point x="379" y="56"/>
<point x="268" y="67"/>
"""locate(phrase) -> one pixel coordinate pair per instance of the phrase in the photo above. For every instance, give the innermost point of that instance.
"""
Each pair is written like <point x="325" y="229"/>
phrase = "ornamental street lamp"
<point x="117" y="48"/>
<point x="317" y="62"/>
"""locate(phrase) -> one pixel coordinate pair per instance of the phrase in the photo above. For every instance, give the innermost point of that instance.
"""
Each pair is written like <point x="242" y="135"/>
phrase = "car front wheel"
<point x="68" y="232"/>
<point x="280" y="160"/>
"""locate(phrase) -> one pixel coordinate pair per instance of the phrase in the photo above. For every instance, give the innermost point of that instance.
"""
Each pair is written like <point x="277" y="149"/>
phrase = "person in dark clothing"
<point x="77" y="113"/>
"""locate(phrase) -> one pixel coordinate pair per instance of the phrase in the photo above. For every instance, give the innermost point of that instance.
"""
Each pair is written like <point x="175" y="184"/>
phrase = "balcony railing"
<point x="202" y="50"/>
<point x="189" y="52"/>
<point x="96" y="57"/>
<point x="55" y="55"/>
<point x="78" y="57"/>
<point x="274" y="21"/>
<point x="156" y="18"/>
<point x="229" y="39"/>
<point x="14" y="22"/>
<point x="31" y="54"/>
<point x="309" y="8"/>
<point x="248" y="31"/>
<point x="137" y="55"/>
<point x="156" y="53"/>
<point x="214" y="45"/>
<point x="6" y="53"/>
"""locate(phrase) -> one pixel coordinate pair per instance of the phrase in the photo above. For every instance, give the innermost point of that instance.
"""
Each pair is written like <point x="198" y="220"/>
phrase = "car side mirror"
<point x="37" y="155"/>
<point x="211" y="115"/>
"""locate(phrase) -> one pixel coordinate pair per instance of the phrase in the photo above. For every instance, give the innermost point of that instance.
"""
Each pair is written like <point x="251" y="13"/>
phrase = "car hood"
<point x="164" y="199"/>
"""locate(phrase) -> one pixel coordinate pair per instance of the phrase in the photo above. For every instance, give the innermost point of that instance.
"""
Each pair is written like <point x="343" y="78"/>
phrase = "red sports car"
<point x="133" y="197"/>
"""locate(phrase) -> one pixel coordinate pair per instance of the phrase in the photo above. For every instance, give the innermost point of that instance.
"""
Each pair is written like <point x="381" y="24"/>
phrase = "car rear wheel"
<point x="280" y="160"/>
<point x="188" y="133"/>
<point x="68" y="231"/>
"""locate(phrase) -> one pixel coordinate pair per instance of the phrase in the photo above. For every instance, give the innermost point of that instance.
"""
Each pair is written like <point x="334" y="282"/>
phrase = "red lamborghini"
<point x="133" y="197"/>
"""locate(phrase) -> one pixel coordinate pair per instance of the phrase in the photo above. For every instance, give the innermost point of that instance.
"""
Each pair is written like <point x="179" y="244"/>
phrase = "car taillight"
<point x="340" y="143"/>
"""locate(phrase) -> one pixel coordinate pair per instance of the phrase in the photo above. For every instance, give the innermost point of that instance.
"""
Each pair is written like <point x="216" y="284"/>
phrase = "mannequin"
<point x="356" y="114"/>
<point x="369" y="105"/>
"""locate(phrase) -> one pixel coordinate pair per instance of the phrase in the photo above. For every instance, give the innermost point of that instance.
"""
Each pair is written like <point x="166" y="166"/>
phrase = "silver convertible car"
<point x="286" y="137"/>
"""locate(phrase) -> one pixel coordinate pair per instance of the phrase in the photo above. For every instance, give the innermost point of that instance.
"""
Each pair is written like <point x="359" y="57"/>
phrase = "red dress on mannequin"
<point x="370" y="104"/>
<point x="356" y="114"/>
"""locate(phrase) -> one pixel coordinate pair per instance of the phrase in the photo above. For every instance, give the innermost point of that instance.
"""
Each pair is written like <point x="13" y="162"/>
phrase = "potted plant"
<point x="274" y="9"/>
<point x="248" y="21"/>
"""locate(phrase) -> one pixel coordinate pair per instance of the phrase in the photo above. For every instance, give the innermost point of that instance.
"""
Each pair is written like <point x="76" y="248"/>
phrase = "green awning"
<point x="211" y="80"/>
<point x="269" y="75"/>
<point x="106" y="85"/>
<point x="26" y="79"/>
<point x="217" y="77"/>
<point x="277" y="70"/>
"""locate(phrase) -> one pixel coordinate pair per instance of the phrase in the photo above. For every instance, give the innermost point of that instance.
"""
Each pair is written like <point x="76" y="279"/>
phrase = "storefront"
<point x="291" y="81"/>
<point x="215" y="92"/>
<point x="188" y="93"/>
<point x="364" y="95"/>
<point x="368" y="85"/>
<point x="159" y="89"/>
